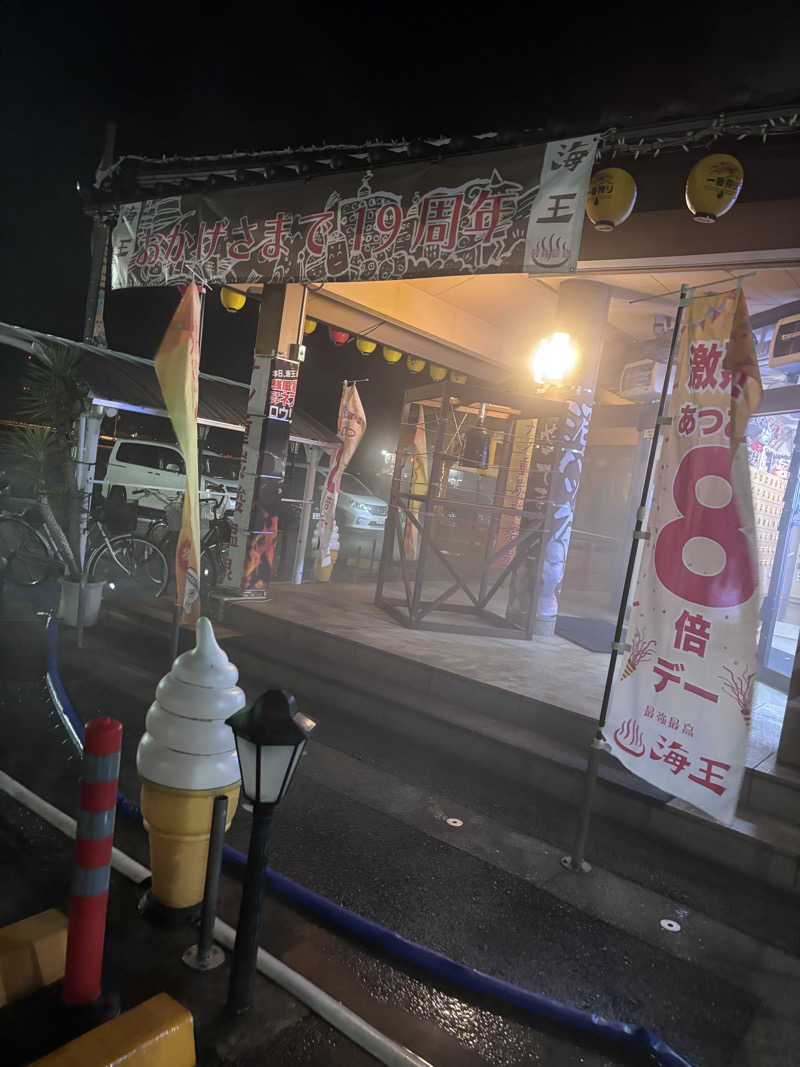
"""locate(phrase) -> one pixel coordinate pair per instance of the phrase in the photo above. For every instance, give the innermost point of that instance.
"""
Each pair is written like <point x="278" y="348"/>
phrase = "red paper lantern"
<point x="337" y="336"/>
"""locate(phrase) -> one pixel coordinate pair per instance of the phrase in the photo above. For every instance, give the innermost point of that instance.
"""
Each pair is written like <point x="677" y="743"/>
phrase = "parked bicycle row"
<point x="125" y="560"/>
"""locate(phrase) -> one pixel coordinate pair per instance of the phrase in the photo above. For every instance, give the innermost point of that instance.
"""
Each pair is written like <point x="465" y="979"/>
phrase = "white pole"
<point x="309" y="490"/>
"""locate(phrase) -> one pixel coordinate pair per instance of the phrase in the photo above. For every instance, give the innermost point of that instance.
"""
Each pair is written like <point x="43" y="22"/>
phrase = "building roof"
<point x="132" y="177"/>
<point x="129" y="383"/>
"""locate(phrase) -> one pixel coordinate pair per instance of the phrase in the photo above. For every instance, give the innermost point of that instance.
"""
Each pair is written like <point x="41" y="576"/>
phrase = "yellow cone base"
<point x="178" y="822"/>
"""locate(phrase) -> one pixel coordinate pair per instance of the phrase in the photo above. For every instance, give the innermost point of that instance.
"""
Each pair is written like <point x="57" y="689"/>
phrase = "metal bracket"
<point x="641" y="535"/>
<point x="664" y="420"/>
<point x="641" y="513"/>
<point x="620" y="646"/>
<point x="600" y="744"/>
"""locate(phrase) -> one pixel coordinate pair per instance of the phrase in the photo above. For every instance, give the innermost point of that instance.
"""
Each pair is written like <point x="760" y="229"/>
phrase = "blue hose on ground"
<point x="636" y="1038"/>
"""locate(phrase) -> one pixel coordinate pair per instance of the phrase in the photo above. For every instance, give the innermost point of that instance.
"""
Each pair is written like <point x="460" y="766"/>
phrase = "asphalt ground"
<point x="365" y="825"/>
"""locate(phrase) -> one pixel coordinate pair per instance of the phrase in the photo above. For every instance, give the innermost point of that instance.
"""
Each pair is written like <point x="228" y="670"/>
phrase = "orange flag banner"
<point x="177" y="365"/>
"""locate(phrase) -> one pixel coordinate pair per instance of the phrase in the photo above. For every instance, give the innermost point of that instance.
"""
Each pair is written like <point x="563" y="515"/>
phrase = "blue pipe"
<point x="636" y="1038"/>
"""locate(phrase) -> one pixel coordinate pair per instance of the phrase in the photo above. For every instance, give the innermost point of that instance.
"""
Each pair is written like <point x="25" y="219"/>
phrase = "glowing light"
<point x="555" y="359"/>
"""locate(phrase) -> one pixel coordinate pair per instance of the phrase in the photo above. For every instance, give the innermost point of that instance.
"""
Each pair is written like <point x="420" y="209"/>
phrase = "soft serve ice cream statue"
<point x="186" y="757"/>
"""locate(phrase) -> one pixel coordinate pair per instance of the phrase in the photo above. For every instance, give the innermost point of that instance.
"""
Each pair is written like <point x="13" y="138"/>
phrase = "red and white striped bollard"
<point x="94" y="840"/>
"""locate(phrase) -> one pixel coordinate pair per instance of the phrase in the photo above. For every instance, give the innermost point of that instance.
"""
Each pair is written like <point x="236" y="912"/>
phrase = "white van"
<point x="153" y="465"/>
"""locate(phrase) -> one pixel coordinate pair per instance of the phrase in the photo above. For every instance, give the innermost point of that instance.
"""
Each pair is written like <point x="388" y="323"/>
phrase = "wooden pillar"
<point x="273" y="386"/>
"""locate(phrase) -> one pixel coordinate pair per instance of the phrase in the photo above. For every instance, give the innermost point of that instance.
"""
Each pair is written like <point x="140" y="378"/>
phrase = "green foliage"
<point x="54" y="391"/>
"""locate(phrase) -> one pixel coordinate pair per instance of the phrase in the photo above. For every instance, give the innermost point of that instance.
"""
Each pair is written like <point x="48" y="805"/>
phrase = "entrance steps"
<point x="332" y="670"/>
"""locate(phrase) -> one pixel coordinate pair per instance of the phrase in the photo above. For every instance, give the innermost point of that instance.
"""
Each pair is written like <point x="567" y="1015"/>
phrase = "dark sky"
<point x="195" y="79"/>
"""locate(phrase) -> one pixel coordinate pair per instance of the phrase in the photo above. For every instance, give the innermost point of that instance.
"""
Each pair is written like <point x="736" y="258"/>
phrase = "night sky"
<point x="187" y="79"/>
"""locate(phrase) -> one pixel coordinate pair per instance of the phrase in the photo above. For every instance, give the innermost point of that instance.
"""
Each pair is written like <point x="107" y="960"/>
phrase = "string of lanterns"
<point x="712" y="188"/>
<point x="234" y="300"/>
<point x="366" y="346"/>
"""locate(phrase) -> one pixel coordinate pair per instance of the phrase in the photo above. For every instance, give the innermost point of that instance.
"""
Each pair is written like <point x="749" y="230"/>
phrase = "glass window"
<point x="140" y="455"/>
<point x="220" y="466"/>
<point x="351" y="484"/>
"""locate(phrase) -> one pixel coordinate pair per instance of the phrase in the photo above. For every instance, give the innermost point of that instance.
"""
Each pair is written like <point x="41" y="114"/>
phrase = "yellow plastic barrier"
<point x="158" y="1033"/>
<point x="32" y="954"/>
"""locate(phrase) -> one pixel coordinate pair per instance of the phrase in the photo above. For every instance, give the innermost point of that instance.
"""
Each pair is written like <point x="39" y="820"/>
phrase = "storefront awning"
<point x="119" y="380"/>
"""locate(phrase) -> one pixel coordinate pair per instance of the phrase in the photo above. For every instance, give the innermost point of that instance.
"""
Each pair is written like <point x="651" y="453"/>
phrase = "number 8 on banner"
<point x="735" y="582"/>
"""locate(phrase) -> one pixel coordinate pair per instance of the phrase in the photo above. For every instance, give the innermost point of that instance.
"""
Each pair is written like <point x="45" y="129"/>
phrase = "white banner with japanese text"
<point x="504" y="211"/>
<point x="680" y="708"/>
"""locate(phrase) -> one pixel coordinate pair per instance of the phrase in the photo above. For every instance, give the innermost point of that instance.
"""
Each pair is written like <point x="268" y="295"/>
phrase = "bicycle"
<point x="127" y="563"/>
<point x="163" y="530"/>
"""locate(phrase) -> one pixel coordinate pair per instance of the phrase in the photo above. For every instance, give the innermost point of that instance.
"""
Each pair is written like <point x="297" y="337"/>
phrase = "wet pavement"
<point x="366" y="825"/>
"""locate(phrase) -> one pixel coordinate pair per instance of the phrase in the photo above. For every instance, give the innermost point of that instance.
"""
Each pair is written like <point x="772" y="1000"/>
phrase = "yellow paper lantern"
<point x="414" y="364"/>
<point x="612" y="194"/>
<point x="436" y="372"/>
<point x="309" y="325"/>
<point x="365" y="346"/>
<point x="713" y="186"/>
<point x="231" y="299"/>
<point x="392" y="355"/>
<point x="458" y="378"/>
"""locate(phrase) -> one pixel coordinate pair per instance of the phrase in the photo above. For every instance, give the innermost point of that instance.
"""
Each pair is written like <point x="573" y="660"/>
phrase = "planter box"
<point x="68" y="604"/>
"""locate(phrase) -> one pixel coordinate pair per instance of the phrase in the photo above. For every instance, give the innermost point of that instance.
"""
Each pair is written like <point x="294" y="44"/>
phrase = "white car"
<point x="153" y="467"/>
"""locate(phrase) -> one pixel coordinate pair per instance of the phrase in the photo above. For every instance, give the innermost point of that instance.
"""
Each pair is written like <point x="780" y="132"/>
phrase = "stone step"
<point x="330" y="671"/>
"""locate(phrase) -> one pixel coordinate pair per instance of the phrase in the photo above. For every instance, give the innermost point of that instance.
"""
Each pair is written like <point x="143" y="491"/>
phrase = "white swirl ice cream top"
<point x="186" y="744"/>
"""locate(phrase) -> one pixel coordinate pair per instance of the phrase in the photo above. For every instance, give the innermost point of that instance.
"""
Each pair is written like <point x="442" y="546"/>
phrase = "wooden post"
<point x="266" y="440"/>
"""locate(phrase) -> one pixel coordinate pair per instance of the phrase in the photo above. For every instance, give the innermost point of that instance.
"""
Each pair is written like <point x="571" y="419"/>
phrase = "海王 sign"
<point x="681" y="705"/>
<point x="508" y="211"/>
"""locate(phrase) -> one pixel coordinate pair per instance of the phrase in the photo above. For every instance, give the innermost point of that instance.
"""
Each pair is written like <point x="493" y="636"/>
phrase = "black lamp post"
<point x="269" y="744"/>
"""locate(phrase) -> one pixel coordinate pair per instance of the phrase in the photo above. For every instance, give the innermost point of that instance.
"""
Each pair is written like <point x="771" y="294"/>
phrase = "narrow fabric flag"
<point x="177" y="366"/>
<point x="419" y="483"/>
<point x="681" y="706"/>
<point x="351" y="427"/>
<point x="516" y="484"/>
<point x="99" y="325"/>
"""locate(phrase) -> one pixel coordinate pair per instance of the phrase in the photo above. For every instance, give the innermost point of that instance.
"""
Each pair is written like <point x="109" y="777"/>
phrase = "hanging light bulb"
<point x="457" y="378"/>
<point x="554" y="360"/>
<point x="436" y="372"/>
<point x="365" y="346"/>
<point x="415" y="364"/>
<point x="309" y="325"/>
<point x="392" y="355"/>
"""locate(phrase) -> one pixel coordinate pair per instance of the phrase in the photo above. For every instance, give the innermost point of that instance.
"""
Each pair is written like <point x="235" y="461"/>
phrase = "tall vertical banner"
<point x="419" y="483"/>
<point x="681" y="706"/>
<point x="351" y="426"/>
<point x="177" y="364"/>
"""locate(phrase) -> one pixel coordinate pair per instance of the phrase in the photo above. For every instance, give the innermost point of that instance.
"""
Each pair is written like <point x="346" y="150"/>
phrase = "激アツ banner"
<point x="681" y="706"/>
<point x="508" y="211"/>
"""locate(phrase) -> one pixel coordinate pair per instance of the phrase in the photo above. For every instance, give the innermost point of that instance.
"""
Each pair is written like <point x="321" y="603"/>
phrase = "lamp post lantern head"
<point x="555" y="359"/>
<point x="269" y="744"/>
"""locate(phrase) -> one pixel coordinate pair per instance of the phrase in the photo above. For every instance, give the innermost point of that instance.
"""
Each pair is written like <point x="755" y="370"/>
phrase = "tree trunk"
<point x="58" y="536"/>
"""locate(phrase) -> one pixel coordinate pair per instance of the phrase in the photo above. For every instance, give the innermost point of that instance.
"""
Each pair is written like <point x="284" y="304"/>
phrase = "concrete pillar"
<point x="558" y="453"/>
<point x="273" y="386"/>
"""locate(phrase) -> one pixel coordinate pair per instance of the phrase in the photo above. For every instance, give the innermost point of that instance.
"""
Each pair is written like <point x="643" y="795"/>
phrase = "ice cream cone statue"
<point x="641" y="650"/>
<point x="186" y="757"/>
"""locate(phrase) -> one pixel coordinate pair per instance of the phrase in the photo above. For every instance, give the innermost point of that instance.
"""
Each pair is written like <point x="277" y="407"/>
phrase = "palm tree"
<point x="54" y="395"/>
